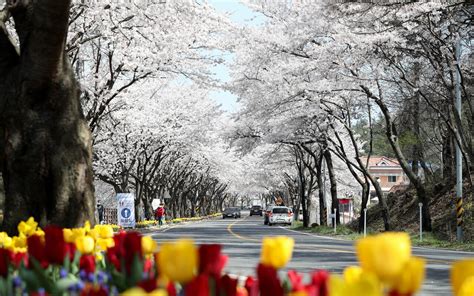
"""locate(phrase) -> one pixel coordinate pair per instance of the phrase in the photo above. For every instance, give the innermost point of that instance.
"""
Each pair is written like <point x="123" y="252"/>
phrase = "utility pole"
<point x="459" y="199"/>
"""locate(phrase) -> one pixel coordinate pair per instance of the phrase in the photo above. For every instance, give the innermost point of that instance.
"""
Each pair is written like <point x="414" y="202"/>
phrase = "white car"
<point x="280" y="215"/>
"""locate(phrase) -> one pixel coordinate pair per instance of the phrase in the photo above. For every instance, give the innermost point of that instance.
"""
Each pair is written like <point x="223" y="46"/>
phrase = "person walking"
<point x="160" y="214"/>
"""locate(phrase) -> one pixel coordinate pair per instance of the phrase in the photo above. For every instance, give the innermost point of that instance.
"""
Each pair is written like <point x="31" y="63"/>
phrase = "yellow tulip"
<point x="462" y="277"/>
<point x="77" y="233"/>
<point x="297" y="293"/>
<point x="27" y="228"/>
<point x="178" y="261"/>
<point x="5" y="241"/>
<point x="467" y="287"/>
<point x="385" y="254"/>
<point x="276" y="251"/>
<point x="19" y="241"/>
<point x="104" y="231"/>
<point x="352" y="274"/>
<point x="87" y="226"/>
<point x="140" y="292"/>
<point x="68" y="237"/>
<point x="412" y="276"/>
<point x="148" y="245"/>
<point x="104" y="243"/>
<point x="39" y="232"/>
<point x="85" y="244"/>
<point x="366" y="285"/>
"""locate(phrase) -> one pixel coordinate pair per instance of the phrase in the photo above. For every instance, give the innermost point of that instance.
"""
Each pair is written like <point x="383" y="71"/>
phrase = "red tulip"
<point x="87" y="263"/>
<point x="16" y="258"/>
<point x="252" y="286"/>
<point x="36" y="249"/>
<point x="319" y="279"/>
<point x="113" y="258"/>
<point x="269" y="283"/>
<point x="211" y="261"/>
<point x="199" y="286"/>
<point x="148" y="266"/>
<point x="4" y="260"/>
<point x="71" y="250"/>
<point x="55" y="247"/>
<point x="228" y="285"/>
<point x="296" y="281"/>
<point x="148" y="285"/>
<point x="171" y="289"/>
<point x="132" y="243"/>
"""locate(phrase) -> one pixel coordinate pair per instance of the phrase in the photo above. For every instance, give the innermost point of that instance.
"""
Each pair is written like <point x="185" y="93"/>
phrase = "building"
<point x="387" y="172"/>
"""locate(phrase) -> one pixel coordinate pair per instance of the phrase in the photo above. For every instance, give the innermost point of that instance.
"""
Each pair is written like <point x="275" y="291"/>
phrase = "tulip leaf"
<point x="136" y="271"/>
<point x="63" y="284"/>
<point x="30" y="279"/>
<point x="43" y="278"/>
<point x="118" y="280"/>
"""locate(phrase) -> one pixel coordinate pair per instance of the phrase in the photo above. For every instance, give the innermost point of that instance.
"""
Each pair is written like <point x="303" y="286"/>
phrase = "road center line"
<point x="229" y="229"/>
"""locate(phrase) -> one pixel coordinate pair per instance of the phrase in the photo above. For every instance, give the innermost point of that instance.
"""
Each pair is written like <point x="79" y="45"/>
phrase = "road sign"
<point x="126" y="210"/>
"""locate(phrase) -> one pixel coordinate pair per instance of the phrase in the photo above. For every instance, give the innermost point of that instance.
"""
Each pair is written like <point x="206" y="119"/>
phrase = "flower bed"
<point x="95" y="261"/>
<point x="150" y="223"/>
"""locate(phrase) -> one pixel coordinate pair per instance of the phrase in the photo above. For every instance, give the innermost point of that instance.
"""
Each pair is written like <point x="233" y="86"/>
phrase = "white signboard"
<point x="126" y="210"/>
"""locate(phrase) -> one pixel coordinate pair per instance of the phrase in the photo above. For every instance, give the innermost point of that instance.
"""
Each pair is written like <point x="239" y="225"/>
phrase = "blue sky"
<point x="240" y="14"/>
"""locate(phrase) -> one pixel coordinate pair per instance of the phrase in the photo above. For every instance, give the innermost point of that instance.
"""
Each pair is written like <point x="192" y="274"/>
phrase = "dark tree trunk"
<point x="365" y="199"/>
<point x="322" y="202"/>
<point x="332" y="180"/>
<point x="47" y="143"/>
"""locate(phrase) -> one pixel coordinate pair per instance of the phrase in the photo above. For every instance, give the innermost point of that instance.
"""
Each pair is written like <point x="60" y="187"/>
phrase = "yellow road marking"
<point x="309" y="248"/>
<point x="229" y="229"/>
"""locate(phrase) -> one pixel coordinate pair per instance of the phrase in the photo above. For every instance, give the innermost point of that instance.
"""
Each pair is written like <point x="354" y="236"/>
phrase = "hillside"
<point x="404" y="213"/>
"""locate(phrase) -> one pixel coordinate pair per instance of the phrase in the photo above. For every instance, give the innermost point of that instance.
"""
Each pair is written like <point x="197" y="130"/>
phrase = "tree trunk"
<point x="392" y="137"/>
<point x="47" y="166"/>
<point x="365" y="199"/>
<point x="333" y="182"/>
<point x="322" y="202"/>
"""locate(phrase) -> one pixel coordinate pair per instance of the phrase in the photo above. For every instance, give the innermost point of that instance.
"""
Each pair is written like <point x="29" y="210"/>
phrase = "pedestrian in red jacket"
<point x="160" y="214"/>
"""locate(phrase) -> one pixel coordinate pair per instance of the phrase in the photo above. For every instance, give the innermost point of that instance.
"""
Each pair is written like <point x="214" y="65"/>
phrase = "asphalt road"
<point x="241" y="241"/>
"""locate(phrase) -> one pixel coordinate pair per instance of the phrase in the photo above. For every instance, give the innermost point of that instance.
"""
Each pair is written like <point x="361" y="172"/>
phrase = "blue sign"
<point x="126" y="212"/>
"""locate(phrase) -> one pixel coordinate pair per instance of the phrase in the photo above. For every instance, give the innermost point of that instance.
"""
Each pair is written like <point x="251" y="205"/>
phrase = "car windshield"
<point x="256" y="207"/>
<point x="280" y="210"/>
<point x="230" y="209"/>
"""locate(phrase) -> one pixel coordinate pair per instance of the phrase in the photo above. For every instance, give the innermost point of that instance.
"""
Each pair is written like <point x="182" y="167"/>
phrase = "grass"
<point x="429" y="239"/>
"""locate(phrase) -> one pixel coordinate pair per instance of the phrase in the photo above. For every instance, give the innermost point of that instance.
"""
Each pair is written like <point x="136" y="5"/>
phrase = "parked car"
<point x="283" y="215"/>
<point x="256" y="210"/>
<point x="231" y="213"/>
<point x="267" y="213"/>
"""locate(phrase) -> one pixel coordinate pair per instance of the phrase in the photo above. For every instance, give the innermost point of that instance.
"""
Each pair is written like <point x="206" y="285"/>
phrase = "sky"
<point x="242" y="15"/>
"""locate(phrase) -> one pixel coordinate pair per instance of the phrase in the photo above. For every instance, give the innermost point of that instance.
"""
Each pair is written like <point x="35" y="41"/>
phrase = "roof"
<point x="381" y="161"/>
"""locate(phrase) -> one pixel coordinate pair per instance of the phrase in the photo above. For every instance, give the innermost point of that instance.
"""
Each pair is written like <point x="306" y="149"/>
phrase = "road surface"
<point x="241" y="241"/>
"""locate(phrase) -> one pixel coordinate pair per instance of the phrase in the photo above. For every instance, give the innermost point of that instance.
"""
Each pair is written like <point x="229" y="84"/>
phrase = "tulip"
<point x="5" y="241"/>
<point x="251" y="285"/>
<point x="178" y="261"/>
<point x="199" y="286"/>
<point x="85" y="244"/>
<point x="104" y="231"/>
<point x="320" y="280"/>
<point x="103" y="244"/>
<point x="385" y="255"/>
<point x="19" y="241"/>
<point x="366" y="285"/>
<point x="148" y="245"/>
<point x="87" y="263"/>
<point x="296" y="281"/>
<point x="4" y="261"/>
<point x="137" y="291"/>
<point x="228" y="285"/>
<point x="36" y="250"/>
<point x="211" y="261"/>
<point x="410" y="279"/>
<point x="268" y="281"/>
<point x="68" y="237"/>
<point x="55" y="247"/>
<point x="132" y="244"/>
<point x="462" y="277"/>
<point x="276" y="251"/>
<point x="27" y="228"/>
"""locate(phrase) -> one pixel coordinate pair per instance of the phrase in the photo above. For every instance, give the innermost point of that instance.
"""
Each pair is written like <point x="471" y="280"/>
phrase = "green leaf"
<point x="63" y="284"/>
<point x="136" y="271"/>
<point x="45" y="281"/>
